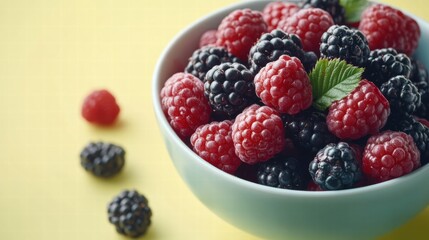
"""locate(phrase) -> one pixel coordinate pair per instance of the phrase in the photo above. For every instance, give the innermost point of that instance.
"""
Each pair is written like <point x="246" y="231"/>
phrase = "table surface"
<point x="52" y="54"/>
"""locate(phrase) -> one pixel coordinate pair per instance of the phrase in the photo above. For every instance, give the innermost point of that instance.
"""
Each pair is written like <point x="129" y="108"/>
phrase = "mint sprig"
<point x="353" y="9"/>
<point x="332" y="80"/>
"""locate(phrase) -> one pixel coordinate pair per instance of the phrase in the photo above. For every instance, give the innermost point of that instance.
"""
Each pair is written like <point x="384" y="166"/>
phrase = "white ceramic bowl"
<point x="361" y="213"/>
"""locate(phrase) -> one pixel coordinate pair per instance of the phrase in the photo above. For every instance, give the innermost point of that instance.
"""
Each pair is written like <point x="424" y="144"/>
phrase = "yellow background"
<point x="52" y="54"/>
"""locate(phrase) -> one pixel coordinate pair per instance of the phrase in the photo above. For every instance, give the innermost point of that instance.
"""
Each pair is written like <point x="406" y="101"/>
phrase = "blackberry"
<point x="386" y="63"/>
<point x="282" y="172"/>
<point x="130" y="213"/>
<point x="229" y="88"/>
<point x="335" y="167"/>
<point x="102" y="159"/>
<point x="420" y="77"/>
<point x="403" y="96"/>
<point x="333" y="7"/>
<point x="308" y="131"/>
<point x="345" y="43"/>
<point x="271" y="46"/>
<point x="203" y="59"/>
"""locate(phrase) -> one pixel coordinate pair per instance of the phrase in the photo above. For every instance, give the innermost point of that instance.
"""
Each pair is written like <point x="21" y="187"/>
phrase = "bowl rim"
<point x="158" y="83"/>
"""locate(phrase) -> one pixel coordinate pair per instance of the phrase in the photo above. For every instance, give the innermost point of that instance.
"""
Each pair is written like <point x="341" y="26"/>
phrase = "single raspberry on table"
<point x="100" y="107"/>
<point x="284" y="85"/>
<point x="208" y="38"/>
<point x="309" y="24"/>
<point x="240" y="30"/>
<point x="258" y="134"/>
<point x="389" y="155"/>
<point x="274" y="12"/>
<point x="387" y="27"/>
<point x="363" y="111"/>
<point x="184" y="104"/>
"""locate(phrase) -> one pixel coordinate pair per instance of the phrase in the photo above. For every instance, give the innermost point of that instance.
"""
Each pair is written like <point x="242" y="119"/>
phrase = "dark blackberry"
<point x="403" y="96"/>
<point x="420" y="77"/>
<point x="229" y="88"/>
<point x="308" y="131"/>
<point x="383" y="64"/>
<point x="102" y="159"/>
<point x="271" y="46"/>
<point x="333" y="7"/>
<point x="282" y="172"/>
<point x="203" y="59"/>
<point x="345" y="43"/>
<point x="335" y="167"/>
<point x="130" y="213"/>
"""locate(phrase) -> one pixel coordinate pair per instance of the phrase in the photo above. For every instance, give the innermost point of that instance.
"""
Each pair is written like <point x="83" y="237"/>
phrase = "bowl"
<point x="271" y="213"/>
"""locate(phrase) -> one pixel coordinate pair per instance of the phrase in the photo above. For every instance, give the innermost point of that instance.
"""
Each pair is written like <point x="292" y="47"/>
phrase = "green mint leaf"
<point x="353" y="9"/>
<point x="332" y="80"/>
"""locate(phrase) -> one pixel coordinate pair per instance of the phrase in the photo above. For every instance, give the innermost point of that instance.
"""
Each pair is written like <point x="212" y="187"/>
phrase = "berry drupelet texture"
<point x="102" y="159"/>
<point x="208" y="38"/>
<point x="420" y="77"/>
<point x="100" y="107"/>
<point x="403" y="96"/>
<point x="274" y="12"/>
<point x="333" y="7"/>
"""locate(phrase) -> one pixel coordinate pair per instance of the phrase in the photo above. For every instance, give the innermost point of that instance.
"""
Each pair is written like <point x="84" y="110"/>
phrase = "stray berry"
<point x="402" y="95"/>
<point x="130" y="213"/>
<point x="208" y="38"/>
<point x="102" y="159"/>
<point x="389" y="155"/>
<point x="100" y="107"/>
<point x="284" y="85"/>
<point x="274" y="12"/>
<point x="213" y="143"/>
<point x="184" y="104"/>
<point x="333" y="7"/>
<point x="258" y="134"/>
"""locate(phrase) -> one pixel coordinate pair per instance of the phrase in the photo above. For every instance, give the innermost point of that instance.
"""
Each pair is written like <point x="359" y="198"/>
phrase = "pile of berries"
<point x="304" y="97"/>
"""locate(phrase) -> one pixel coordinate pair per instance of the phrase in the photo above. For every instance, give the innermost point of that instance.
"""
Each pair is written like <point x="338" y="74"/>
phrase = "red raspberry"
<point x="387" y="27"/>
<point x="100" y="107"/>
<point x="309" y="24"/>
<point x="213" y="143"/>
<point x="240" y="30"/>
<point x="184" y="104"/>
<point x="389" y="155"/>
<point x="258" y="134"/>
<point x="363" y="111"/>
<point x="208" y="38"/>
<point x="274" y="12"/>
<point x="284" y="85"/>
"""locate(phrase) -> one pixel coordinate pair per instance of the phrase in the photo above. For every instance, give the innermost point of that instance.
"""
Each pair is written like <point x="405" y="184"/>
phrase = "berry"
<point x="240" y="30"/>
<point x="275" y="44"/>
<point x="258" y="134"/>
<point x="383" y="64"/>
<point x="387" y="27"/>
<point x="420" y="77"/>
<point x="102" y="159"/>
<point x="363" y="111"/>
<point x="213" y="143"/>
<point x="335" y="167"/>
<point x="184" y="104"/>
<point x="284" y="85"/>
<point x="389" y="155"/>
<point x="282" y="172"/>
<point x="309" y="24"/>
<point x="308" y="131"/>
<point x="130" y="213"/>
<point x="333" y="7"/>
<point x="402" y="95"/>
<point x="345" y="43"/>
<point x="100" y="107"/>
<point x="230" y="89"/>
<point x="208" y="38"/>
<point x="274" y="12"/>
<point x="204" y="59"/>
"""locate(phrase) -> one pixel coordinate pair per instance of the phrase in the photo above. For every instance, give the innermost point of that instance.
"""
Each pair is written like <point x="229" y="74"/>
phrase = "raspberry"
<point x="274" y="12"/>
<point x="335" y="167"/>
<point x="284" y="85"/>
<point x="389" y="155"/>
<point x="402" y="95"/>
<point x="387" y="27"/>
<point x="130" y="213"/>
<point x="258" y="134"/>
<point x="333" y="7"/>
<point x="213" y="143"/>
<point x="363" y="111"/>
<point x="100" y="107"/>
<point x="208" y="38"/>
<point x="102" y="159"/>
<point x="184" y="104"/>
<point x="240" y="30"/>
<point x="309" y="24"/>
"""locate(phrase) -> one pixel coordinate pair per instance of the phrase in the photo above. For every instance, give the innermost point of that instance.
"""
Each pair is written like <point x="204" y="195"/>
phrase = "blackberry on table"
<point x="402" y="95"/>
<point x="333" y="7"/>
<point x="130" y="213"/>
<point x="102" y="159"/>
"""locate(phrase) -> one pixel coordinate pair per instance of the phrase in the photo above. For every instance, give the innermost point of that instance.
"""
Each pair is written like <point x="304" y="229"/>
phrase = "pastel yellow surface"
<point x="52" y="54"/>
